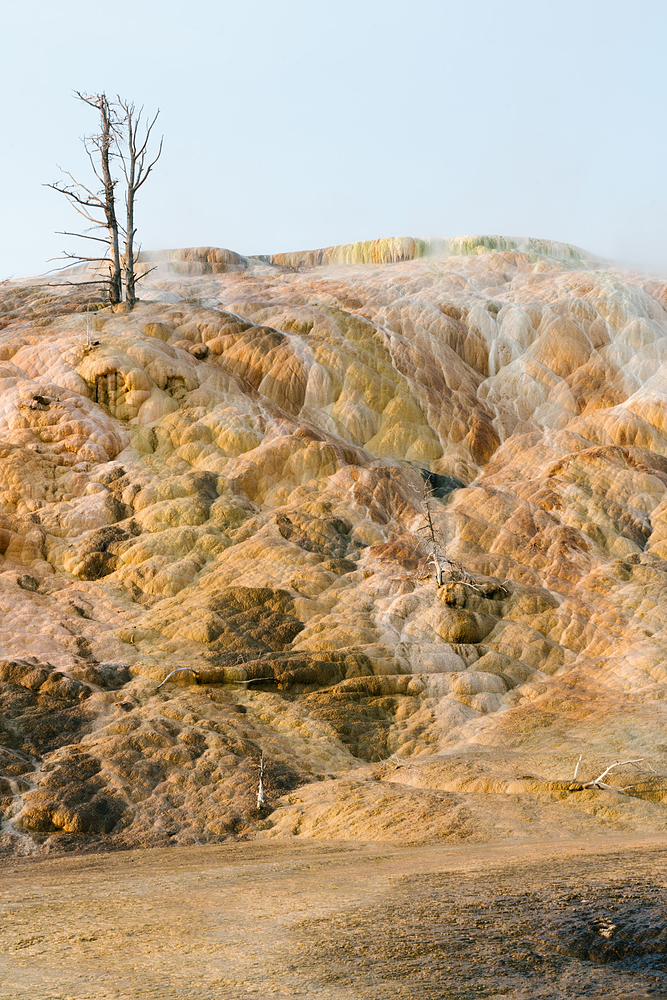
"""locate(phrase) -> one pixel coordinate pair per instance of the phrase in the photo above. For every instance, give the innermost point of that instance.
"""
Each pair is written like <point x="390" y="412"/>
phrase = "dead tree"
<point x="137" y="165"/>
<point x="445" y="569"/>
<point x="98" y="206"/>
<point x="435" y="560"/>
<point x="261" y="799"/>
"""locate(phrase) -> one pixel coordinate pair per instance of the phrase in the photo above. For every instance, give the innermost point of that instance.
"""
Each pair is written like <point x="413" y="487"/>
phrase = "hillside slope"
<point x="230" y="479"/>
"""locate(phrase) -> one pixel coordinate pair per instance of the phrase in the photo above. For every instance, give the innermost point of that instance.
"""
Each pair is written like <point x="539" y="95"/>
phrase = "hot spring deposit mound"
<point x="231" y="479"/>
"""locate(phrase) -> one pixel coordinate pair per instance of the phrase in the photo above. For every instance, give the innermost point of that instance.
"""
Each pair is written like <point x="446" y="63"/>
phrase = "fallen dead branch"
<point x="217" y="676"/>
<point x="178" y="670"/>
<point x="601" y="784"/>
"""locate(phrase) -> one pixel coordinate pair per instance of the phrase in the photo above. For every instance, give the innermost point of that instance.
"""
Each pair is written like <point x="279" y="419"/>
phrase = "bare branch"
<point x="79" y="205"/>
<point x="619" y="763"/>
<point x="600" y="783"/>
<point x="150" y="165"/>
<point x="59" y="284"/>
<point x="142" y="276"/>
<point x="178" y="670"/>
<point x="100" y="151"/>
<point x="81" y="236"/>
<point x="81" y="260"/>
<point x="66" y="255"/>
<point x="84" y="202"/>
<point x="91" y="158"/>
<point x="133" y="156"/>
<point x="609" y="788"/>
<point x="96" y="199"/>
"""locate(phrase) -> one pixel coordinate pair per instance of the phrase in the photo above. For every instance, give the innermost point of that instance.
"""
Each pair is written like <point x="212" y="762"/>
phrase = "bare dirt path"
<point x="338" y="921"/>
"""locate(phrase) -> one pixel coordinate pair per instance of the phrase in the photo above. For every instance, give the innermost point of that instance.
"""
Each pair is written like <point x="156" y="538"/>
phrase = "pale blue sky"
<point x="295" y="124"/>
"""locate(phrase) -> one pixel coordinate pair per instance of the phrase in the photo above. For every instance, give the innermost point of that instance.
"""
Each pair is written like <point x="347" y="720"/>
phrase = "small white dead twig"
<point x="576" y="770"/>
<point x="260" y="790"/>
<point x="396" y="761"/>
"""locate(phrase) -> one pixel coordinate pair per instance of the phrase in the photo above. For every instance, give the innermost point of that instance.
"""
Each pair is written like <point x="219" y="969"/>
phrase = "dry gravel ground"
<point x="339" y="921"/>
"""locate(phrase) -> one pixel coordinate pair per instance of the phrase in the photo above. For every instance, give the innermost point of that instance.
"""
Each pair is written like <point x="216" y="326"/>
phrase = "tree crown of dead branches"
<point x="124" y="139"/>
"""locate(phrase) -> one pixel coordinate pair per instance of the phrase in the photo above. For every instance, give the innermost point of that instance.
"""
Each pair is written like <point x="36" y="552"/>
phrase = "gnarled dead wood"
<point x="600" y="783"/>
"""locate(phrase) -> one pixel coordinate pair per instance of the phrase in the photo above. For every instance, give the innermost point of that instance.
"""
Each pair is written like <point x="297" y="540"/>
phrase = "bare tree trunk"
<point x="98" y="206"/>
<point x="115" y="282"/>
<point x="130" y="279"/>
<point x="136" y="168"/>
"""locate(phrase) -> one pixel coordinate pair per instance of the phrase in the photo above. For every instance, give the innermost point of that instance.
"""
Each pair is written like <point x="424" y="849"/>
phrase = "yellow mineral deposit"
<point x="231" y="481"/>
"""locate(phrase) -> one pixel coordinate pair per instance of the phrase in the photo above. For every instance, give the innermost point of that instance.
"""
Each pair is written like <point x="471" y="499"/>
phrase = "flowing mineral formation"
<point x="231" y="482"/>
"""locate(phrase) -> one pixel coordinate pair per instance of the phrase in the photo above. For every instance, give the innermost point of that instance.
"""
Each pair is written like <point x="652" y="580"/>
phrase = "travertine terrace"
<point x="230" y="478"/>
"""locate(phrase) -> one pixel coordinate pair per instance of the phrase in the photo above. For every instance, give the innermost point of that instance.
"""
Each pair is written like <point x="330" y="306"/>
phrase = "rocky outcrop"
<point x="228" y="482"/>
